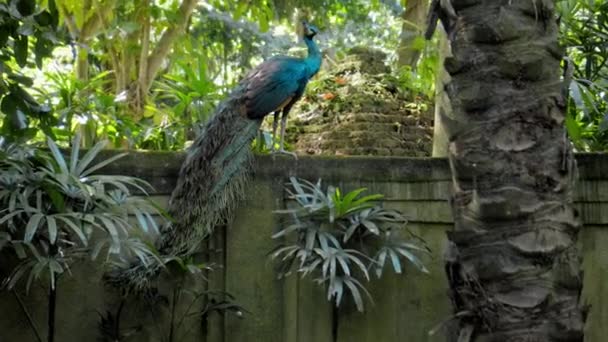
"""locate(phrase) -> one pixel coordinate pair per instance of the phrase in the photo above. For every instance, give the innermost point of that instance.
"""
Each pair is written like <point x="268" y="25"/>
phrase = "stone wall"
<point x="406" y="307"/>
<point x="356" y="107"/>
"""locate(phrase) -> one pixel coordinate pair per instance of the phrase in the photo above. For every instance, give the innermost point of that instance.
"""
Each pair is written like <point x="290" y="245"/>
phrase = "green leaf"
<point x="371" y="227"/>
<point x="395" y="260"/>
<point x="10" y="215"/>
<point x="55" y="196"/>
<point x="4" y="34"/>
<point x="51" y="224"/>
<point x="350" y="231"/>
<point x="574" y="130"/>
<point x="311" y="235"/>
<point x="365" y="199"/>
<point x="419" y="43"/>
<point x="103" y="163"/>
<point x="111" y="228"/>
<point x="74" y="154"/>
<point x="289" y="229"/>
<point x="26" y="7"/>
<point x="44" y="18"/>
<point x="32" y="226"/>
<point x="347" y="200"/>
<point x="380" y="260"/>
<point x="26" y="28"/>
<point x="20" y="49"/>
<point x="57" y="155"/>
<point x="11" y="106"/>
<point x="356" y="294"/>
<point x="19" y="250"/>
<point x="74" y="227"/>
<point x="413" y="259"/>
<point x="16" y="275"/>
<point x="97" y="249"/>
<point x="24" y="80"/>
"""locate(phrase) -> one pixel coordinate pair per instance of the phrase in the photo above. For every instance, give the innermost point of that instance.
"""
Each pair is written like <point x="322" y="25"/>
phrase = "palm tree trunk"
<point x="513" y="267"/>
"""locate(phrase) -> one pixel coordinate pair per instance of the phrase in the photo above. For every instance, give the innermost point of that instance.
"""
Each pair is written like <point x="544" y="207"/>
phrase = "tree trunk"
<point x="413" y="24"/>
<point x="443" y="108"/>
<point x="51" y="313"/>
<point x="167" y="39"/>
<point x="150" y="60"/>
<point x="513" y="267"/>
<point x="82" y="63"/>
<point x="89" y="28"/>
<point x="141" y="86"/>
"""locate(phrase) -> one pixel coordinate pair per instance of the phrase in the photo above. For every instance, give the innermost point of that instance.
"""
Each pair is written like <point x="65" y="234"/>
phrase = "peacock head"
<point x="309" y="30"/>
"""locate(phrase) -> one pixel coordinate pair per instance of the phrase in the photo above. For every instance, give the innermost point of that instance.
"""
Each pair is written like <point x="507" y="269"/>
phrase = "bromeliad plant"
<point x="55" y="211"/>
<point x="340" y="238"/>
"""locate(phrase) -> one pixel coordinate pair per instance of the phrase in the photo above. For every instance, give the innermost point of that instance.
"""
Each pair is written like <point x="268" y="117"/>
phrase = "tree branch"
<point x="91" y="26"/>
<point x="413" y="21"/>
<point x="166" y="41"/>
<point x="70" y="23"/>
<point x="142" y="86"/>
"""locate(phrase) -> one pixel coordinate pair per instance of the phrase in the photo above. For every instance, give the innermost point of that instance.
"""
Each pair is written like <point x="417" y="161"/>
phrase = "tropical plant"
<point x="151" y="97"/>
<point x="179" y="299"/>
<point x="340" y="238"/>
<point x="184" y="98"/>
<point x="87" y="108"/>
<point x="24" y="25"/>
<point x="584" y="31"/>
<point x="196" y="303"/>
<point x="56" y="211"/>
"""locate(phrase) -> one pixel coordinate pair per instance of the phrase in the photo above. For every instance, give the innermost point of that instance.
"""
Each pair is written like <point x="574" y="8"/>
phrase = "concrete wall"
<point x="406" y="307"/>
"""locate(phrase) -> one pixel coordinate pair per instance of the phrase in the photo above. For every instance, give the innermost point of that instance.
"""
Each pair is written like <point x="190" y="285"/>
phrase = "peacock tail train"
<point x="213" y="177"/>
<point x="211" y="183"/>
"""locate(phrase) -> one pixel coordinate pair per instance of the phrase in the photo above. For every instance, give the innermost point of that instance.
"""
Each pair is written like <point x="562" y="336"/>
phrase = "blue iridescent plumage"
<point x="278" y="83"/>
<point x="218" y="165"/>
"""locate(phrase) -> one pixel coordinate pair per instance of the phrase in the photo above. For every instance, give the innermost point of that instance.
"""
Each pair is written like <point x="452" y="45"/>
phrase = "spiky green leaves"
<point x="55" y="210"/>
<point x="339" y="238"/>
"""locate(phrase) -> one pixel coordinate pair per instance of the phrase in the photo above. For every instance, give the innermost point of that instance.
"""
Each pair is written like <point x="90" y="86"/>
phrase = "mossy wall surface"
<point x="406" y="307"/>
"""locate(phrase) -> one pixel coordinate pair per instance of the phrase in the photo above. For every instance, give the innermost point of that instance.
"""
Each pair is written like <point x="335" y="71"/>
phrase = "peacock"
<point x="213" y="177"/>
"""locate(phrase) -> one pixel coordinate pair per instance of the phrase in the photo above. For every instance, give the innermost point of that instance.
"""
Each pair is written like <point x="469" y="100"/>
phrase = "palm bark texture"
<point x="512" y="263"/>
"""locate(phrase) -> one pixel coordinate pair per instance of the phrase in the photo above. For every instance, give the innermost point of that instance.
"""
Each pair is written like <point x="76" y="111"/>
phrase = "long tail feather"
<point x="213" y="177"/>
<point x="211" y="182"/>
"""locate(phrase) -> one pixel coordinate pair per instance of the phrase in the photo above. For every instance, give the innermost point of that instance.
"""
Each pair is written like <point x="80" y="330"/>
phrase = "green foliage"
<point x="87" y="108"/>
<point x="263" y="143"/>
<point x="340" y="238"/>
<point x="96" y="94"/>
<point x="28" y="34"/>
<point x="421" y="81"/>
<point x="53" y="206"/>
<point x="584" y="28"/>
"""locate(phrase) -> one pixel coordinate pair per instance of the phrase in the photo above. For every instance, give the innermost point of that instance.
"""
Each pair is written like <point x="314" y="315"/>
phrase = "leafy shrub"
<point x="341" y="238"/>
<point x="56" y="211"/>
<point x="584" y="30"/>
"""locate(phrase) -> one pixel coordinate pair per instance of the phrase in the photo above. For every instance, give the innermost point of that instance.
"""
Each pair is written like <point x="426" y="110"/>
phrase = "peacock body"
<point x="218" y="165"/>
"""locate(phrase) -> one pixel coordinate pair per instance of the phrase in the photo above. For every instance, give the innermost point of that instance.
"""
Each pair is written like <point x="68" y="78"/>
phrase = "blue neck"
<point x="313" y="61"/>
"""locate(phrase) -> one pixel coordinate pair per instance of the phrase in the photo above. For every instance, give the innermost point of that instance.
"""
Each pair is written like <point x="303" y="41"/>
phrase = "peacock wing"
<point x="272" y="85"/>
